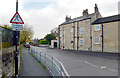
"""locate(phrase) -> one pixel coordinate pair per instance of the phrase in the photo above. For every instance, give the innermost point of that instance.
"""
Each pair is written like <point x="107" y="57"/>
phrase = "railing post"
<point x="40" y="57"/>
<point x="35" y="53"/>
<point x="52" y="66"/>
<point x="61" y="70"/>
<point x="45" y="59"/>
<point x="30" y="50"/>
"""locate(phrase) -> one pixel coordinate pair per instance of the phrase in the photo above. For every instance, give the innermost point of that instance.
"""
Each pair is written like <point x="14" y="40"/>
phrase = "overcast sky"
<point x="44" y="15"/>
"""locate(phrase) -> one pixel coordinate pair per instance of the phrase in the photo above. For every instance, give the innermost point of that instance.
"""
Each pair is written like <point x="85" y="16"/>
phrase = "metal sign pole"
<point x="16" y="53"/>
<point x="17" y="25"/>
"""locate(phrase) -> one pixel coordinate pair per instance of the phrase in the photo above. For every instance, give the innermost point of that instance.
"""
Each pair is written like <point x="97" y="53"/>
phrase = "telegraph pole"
<point x="16" y="53"/>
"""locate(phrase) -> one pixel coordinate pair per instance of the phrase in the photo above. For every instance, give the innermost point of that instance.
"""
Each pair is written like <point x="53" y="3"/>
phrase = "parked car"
<point x="27" y="45"/>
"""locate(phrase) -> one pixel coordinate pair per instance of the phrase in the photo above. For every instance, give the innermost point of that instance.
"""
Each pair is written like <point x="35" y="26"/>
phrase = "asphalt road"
<point x="31" y="67"/>
<point x="83" y="65"/>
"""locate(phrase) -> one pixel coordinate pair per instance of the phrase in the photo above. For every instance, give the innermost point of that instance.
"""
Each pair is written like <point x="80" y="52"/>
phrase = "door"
<point x="55" y="44"/>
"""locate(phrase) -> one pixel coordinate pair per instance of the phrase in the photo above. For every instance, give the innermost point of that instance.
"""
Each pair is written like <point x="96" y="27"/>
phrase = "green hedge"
<point x="44" y="42"/>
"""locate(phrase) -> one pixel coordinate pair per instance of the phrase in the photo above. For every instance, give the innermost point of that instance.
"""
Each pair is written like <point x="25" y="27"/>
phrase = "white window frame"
<point x="97" y="27"/>
<point x="81" y="30"/>
<point x="72" y="31"/>
<point x="63" y="32"/>
<point x="82" y="42"/>
<point x="98" y="42"/>
<point x="63" y="40"/>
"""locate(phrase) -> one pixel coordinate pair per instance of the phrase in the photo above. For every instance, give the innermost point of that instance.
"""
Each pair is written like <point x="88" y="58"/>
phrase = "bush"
<point x="44" y="42"/>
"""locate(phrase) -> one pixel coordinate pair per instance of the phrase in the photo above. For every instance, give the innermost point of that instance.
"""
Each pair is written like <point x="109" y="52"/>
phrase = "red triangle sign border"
<point x="17" y="22"/>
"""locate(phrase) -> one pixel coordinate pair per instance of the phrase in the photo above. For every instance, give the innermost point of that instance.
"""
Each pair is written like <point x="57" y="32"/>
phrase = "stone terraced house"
<point x="90" y="32"/>
<point x="105" y="34"/>
<point x="76" y="33"/>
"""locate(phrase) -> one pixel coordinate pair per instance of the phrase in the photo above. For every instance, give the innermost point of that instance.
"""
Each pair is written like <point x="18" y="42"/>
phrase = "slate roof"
<point x="107" y="19"/>
<point x="79" y="19"/>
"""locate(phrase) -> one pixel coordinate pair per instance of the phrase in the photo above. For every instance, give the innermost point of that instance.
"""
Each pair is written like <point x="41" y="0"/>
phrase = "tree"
<point x="44" y="42"/>
<point x="50" y="37"/>
<point x="7" y="26"/>
<point x="26" y="34"/>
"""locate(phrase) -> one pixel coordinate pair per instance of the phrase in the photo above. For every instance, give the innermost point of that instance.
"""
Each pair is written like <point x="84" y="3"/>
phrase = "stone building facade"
<point x="76" y="33"/>
<point x="105" y="34"/>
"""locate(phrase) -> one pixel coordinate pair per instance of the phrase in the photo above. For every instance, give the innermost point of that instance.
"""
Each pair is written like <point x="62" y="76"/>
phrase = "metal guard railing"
<point x="53" y="65"/>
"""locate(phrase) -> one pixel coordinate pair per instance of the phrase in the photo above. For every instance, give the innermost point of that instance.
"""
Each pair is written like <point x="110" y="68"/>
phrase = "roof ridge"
<point x="111" y="16"/>
<point x="107" y="19"/>
<point x="82" y="16"/>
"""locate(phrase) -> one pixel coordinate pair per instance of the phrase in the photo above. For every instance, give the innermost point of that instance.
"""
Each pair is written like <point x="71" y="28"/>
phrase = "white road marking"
<point x="103" y="67"/>
<point x="91" y="64"/>
<point x="111" y="70"/>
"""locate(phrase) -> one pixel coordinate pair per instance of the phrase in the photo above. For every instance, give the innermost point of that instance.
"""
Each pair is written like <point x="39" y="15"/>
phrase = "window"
<point x="97" y="40"/>
<point x="97" y="27"/>
<point x="63" y="40"/>
<point x="81" y="30"/>
<point x="63" y="32"/>
<point x="72" y="31"/>
<point x="82" y="42"/>
<point x="71" y="42"/>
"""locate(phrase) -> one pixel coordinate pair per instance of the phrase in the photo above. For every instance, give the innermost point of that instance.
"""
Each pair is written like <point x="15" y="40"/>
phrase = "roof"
<point x="107" y="19"/>
<point x="79" y="19"/>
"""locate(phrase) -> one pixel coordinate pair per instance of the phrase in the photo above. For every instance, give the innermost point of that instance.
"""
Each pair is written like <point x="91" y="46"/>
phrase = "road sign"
<point x="17" y="27"/>
<point x="17" y="19"/>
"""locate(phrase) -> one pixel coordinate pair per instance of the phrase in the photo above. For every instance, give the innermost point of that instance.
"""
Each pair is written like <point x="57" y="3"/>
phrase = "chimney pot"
<point x="96" y="8"/>
<point x="85" y="12"/>
<point x="68" y="18"/>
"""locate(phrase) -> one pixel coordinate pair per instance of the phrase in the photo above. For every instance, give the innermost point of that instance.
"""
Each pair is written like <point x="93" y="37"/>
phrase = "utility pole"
<point x="16" y="53"/>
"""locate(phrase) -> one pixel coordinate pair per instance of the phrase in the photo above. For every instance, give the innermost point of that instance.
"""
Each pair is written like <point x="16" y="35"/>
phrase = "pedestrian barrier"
<point x="53" y="65"/>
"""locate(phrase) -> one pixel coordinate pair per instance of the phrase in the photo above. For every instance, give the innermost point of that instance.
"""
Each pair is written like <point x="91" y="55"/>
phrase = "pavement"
<point x="31" y="67"/>
<point x="83" y="64"/>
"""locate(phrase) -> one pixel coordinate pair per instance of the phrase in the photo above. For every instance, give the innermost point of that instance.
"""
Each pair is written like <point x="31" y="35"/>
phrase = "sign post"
<point x="17" y="25"/>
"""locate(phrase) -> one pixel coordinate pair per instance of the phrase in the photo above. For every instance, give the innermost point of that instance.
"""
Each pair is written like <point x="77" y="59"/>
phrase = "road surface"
<point x="83" y="65"/>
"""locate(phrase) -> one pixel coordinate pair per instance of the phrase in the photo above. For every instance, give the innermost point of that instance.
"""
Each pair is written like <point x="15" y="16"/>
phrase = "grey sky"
<point x="43" y="15"/>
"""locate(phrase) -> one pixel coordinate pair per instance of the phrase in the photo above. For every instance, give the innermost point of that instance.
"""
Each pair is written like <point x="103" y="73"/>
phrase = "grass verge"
<point x="39" y="62"/>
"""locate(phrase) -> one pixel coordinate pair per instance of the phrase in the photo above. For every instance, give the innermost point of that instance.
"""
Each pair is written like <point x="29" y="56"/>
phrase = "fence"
<point x="53" y="65"/>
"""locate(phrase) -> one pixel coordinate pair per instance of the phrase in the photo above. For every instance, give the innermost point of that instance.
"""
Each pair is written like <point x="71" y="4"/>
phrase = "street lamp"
<point x="28" y="36"/>
<point x="29" y="39"/>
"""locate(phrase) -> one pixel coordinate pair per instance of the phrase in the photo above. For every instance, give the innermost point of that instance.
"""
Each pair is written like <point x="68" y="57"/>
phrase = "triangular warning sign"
<point x="17" y="19"/>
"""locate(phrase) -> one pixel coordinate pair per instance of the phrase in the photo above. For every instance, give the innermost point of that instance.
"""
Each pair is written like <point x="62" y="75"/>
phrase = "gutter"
<point x="59" y="35"/>
<point x="90" y="34"/>
<point x="77" y="34"/>
<point x="74" y="36"/>
<point x="102" y="38"/>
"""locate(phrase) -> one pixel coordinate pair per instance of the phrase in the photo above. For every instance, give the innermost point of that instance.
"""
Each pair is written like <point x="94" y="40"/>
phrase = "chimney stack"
<point x="68" y="18"/>
<point x="96" y="8"/>
<point x="85" y="12"/>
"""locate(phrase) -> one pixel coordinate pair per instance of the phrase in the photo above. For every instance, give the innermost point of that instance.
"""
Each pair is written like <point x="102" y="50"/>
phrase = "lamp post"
<point x="29" y="39"/>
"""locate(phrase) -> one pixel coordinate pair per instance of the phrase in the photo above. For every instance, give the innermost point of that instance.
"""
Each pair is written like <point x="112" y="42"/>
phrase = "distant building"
<point x="76" y="33"/>
<point x="105" y="34"/>
<point x="36" y="41"/>
<point x="53" y="44"/>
